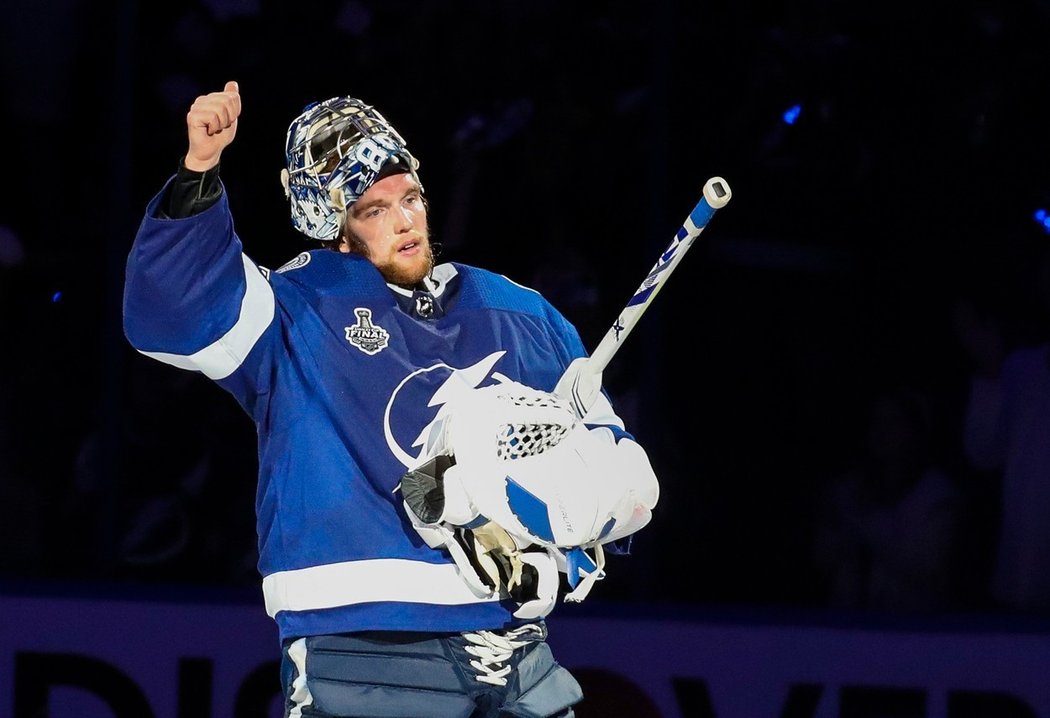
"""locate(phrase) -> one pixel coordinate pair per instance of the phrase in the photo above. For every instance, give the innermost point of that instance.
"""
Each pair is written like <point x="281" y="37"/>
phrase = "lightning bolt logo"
<point x="428" y="442"/>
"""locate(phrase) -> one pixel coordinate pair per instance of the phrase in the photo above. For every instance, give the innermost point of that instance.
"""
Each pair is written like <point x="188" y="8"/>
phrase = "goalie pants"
<point x="395" y="674"/>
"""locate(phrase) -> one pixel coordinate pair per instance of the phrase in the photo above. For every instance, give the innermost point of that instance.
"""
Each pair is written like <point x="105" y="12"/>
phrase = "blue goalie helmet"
<point x="335" y="150"/>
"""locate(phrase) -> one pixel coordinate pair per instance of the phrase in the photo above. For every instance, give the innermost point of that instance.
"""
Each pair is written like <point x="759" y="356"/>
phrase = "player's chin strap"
<point x="492" y="565"/>
<point x="443" y="536"/>
<point x="491" y="559"/>
<point x="583" y="571"/>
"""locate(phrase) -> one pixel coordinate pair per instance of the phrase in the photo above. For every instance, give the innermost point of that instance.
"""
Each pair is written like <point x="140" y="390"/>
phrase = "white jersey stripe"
<point x="352" y="582"/>
<point x="221" y="358"/>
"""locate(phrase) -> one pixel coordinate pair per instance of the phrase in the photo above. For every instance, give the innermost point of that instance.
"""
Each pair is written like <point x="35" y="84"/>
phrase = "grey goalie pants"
<point x="386" y="674"/>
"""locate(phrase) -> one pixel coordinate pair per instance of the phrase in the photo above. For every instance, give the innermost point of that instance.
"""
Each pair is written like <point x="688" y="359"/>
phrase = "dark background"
<point x="562" y="144"/>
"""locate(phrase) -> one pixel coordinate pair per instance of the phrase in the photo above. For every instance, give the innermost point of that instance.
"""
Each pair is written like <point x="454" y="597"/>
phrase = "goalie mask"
<point x="335" y="150"/>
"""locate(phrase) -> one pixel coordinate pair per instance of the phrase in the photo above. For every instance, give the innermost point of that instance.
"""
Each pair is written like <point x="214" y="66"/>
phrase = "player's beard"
<point x="402" y="276"/>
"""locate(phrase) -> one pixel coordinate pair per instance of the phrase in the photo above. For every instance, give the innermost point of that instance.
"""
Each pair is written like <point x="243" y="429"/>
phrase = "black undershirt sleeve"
<point x="191" y="193"/>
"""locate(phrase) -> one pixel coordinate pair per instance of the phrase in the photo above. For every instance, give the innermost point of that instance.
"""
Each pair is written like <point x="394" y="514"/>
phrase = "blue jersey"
<point x="337" y="369"/>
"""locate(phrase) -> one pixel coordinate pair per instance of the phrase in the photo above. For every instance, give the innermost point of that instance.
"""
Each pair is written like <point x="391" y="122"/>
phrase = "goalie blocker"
<point x="522" y="490"/>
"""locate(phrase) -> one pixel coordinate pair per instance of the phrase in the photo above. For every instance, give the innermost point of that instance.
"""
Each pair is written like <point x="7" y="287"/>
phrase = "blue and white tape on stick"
<point x="583" y="379"/>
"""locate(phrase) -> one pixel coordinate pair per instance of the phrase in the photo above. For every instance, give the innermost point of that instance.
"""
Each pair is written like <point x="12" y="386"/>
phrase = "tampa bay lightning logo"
<point x="432" y="387"/>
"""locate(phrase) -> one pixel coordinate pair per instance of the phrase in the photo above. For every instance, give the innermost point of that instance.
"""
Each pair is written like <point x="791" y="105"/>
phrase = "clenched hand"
<point x="211" y="125"/>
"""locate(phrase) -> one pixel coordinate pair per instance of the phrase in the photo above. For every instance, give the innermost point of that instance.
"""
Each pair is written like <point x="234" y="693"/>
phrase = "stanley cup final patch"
<point x="365" y="335"/>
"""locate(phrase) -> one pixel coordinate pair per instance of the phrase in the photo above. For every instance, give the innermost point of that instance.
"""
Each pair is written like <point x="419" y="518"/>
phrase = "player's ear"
<point x="343" y="241"/>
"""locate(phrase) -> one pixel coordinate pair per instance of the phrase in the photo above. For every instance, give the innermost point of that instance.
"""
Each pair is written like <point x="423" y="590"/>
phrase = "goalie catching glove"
<point x="525" y="475"/>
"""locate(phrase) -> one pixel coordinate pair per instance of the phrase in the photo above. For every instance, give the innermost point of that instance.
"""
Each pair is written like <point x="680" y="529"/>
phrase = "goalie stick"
<point x="582" y="381"/>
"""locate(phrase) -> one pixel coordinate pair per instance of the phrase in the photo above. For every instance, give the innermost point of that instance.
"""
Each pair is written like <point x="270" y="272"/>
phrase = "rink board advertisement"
<point x="108" y="658"/>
